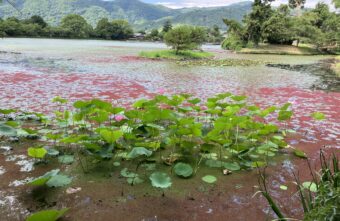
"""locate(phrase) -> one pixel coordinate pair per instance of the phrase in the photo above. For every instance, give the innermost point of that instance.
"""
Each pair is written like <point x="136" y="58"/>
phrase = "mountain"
<point x="140" y="14"/>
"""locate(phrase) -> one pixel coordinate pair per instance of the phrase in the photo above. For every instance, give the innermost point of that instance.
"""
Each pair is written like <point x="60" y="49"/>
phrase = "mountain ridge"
<point x="140" y="14"/>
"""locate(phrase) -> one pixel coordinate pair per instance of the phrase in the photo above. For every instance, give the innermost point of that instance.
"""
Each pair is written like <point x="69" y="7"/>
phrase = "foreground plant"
<point x="180" y="131"/>
<point x="320" y="198"/>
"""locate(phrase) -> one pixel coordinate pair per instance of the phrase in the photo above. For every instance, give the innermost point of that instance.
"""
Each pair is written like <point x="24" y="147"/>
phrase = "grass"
<point x="337" y="66"/>
<point x="171" y="55"/>
<point x="281" y="50"/>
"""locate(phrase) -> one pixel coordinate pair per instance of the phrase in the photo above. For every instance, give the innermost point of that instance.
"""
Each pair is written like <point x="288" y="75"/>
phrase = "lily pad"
<point x="232" y="166"/>
<point x="66" y="159"/>
<point x="37" y="152"/>
<point x="127" y="174"/>
<point x="42" y="180"/>
<point x="300" y="153"/>
<point x="47" y="215"/>
<point x="183" y="170"/>
<point x="139" y="151"/>
<point x="52" y="152"/>
<point x="160" y="180"/>
<point x="311" y="186"/>
<point x="7" y="130"/>
<point x="134" y="180"/>
<point x="59" y="181"/>
<point x="209" y="179"/>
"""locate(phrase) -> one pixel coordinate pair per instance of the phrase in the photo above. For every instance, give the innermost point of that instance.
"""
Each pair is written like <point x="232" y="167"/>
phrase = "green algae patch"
<point x="172" y="55"/>
<point x="221" y="63"/>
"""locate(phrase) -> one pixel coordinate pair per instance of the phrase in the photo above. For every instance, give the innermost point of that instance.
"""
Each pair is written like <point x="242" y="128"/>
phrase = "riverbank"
<point x="280" y="50"/>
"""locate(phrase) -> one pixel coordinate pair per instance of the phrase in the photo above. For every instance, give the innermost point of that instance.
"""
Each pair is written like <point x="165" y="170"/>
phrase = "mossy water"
<point x="37" y="72"/>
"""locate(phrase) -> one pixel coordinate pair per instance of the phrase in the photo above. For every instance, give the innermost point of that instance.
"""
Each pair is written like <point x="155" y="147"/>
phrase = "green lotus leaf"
<point x="232" y="166"/>
<point x="127" y="174"/>
<point x="47" y="215"/>
<point x="6" y="130"/>
<point x="58" y="181"/>
<point x="139" y="151"/>
<point x="37" y="152"/>
<point x="42" y="180"/>
<point x="66" y="159"/>
<point x="183" y="170"/>
<point x="160" y="180"/>
<point x="311" y="186"/>
<point x="209" y="179"/>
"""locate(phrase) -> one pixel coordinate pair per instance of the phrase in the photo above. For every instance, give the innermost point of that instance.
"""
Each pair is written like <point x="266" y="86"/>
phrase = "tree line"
<point x="285" y="25"/>
<point x="71" y="26"/>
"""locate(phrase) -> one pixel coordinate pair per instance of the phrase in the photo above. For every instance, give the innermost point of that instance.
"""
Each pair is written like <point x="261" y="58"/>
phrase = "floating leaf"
<point x="47" y="215"/>
<point x="283" y="187"/>
<point x="300" y="154"/>
<point x="160" y="180"/>
<point x="127" y="174"/>
<point x="183" y="170"/>
<point x="209" y="179"/>
<point x="52" y="152"/>
<point x="42" y="180"/>
<point x="7" y="131"/>
<point x="232" y="166"/>
<point x="37" y="152"/>
<point x="66" y="159"/>
<point x="311" y="186"/>
<point x="139" y="151"/>
<point x="318" y="116"/>
<point x="59" y="181"/>
<point x="134" y="180"/>
<point x="116" y="164"/>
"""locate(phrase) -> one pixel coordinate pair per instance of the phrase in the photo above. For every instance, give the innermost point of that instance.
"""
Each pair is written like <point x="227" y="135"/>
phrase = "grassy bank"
<point x="171" y="55"/>
<point x="336" y="67"/>
<point x="280" y="50"/>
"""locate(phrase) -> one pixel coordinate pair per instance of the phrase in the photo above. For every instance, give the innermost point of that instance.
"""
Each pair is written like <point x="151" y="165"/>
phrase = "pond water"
<point x="33" y="71"/>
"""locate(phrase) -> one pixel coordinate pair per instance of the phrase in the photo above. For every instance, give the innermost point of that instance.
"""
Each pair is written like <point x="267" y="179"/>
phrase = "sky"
<point x="211" y="3"/>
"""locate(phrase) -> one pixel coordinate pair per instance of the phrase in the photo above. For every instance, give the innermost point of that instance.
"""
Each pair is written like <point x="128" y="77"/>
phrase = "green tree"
<point x="103" y="29"/>
<point x="154" y="35"/>
<point x="336" y="3"/>
<point x="115" y="30"/>
<point x="76" y="26"/>
<point x="185" y="38"/>
<point x="121" y="29"/>
<point x="261" y="12"/>
<point x="36" y="19"/>
<point x="277" y="29"/>
<point x="167" y="26"/>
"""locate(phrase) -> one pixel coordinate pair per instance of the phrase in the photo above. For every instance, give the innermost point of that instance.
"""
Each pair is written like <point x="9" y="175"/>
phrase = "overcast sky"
<point x="210" y="3"/>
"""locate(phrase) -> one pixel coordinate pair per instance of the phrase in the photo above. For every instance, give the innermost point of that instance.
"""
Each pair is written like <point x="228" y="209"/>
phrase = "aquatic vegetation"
<point x="319" y="197"/>
<point x="47" y="215"/>
<point x="221" y="63"/>
<point x="172" y="55"/>
<point x="180" y="131"/>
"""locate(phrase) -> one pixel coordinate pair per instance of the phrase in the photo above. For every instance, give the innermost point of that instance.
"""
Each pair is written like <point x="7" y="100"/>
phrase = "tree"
<point x="153" y="35"/>
<point x="76" y="26"/>
<point x="36" y="19"/>
<point x="102" y="29"/>
<point x="167" y="26"/>
<point x="185" y="38"/>
<point x="121" y="29"/>
<point x="215" y="35"/>
<point x="261" y="12"/>
<point x="277" y="29"/>
<point x="115" y="30"/>
<point x="336" y="3"/>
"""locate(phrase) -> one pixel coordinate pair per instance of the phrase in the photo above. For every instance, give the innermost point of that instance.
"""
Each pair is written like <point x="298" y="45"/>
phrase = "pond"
<point x="33" y="71"/>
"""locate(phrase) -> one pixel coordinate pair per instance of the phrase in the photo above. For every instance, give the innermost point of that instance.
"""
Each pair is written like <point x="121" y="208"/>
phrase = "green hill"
<point x="140" y="14"/>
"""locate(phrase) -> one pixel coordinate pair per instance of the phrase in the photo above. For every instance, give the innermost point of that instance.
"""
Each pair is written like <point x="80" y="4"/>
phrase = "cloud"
<point x="212" y="3"/>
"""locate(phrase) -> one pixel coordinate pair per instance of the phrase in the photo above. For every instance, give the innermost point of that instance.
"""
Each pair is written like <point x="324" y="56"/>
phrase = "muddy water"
<point x="33" y="71"/>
